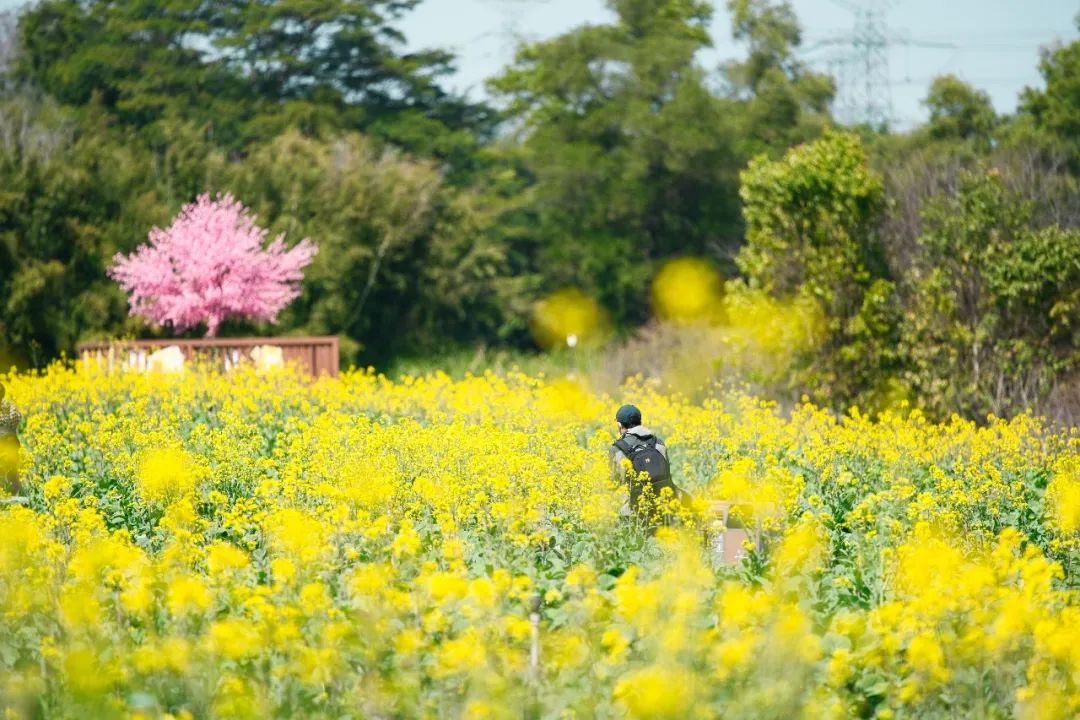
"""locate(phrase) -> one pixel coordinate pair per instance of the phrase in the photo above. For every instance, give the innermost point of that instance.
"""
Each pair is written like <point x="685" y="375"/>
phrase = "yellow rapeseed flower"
<point x="656" y="692"/>
<point x="165" y="474"/>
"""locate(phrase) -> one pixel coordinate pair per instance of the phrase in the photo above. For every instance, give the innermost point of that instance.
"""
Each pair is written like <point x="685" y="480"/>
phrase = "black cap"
<point x="628" y="416"/>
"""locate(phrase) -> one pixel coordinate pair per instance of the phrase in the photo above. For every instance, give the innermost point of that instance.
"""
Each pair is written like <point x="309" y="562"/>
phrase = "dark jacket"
<point x="635" y="436"/>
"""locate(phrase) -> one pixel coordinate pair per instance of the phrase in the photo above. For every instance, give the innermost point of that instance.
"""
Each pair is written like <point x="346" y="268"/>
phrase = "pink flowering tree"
<point x="210" y="265"/>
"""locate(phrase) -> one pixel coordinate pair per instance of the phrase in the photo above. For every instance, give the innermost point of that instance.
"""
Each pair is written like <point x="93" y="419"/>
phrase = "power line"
<point x="858" y="59"/>
<point x="813" y="41"/>
<point x="997" y="80"/>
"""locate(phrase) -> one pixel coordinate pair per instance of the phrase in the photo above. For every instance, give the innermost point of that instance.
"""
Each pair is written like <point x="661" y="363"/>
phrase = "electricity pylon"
<point x="860" y="64"/>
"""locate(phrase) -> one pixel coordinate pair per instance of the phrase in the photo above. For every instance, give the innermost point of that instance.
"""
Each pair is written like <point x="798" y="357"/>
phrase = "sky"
<point x="992" y="44"/>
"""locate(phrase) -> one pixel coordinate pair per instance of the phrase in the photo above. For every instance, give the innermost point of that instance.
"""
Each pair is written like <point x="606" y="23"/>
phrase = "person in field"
<point x="640" y="458"/>
<point x="9" y="445"/>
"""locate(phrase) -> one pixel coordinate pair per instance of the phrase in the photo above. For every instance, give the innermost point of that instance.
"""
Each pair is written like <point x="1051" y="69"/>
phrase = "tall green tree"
<point x="960" y="112"/>
<point x="139" y="61"/>
<point x="783" y="102"/>
<point x="70" y="197"/>
<point x="626" y="156"/>
<point x="247" y="71"/>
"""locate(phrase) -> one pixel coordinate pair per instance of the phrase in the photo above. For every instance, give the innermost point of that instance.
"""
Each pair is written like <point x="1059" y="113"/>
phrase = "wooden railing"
<point x="315" y="355"/>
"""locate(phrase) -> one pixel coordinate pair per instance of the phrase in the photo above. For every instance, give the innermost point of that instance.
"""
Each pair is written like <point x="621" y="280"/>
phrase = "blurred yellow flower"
<point x="926" y="656"/>
<point x="686" y="289"/>
<point x="233" y="638"/>
<point x="567" y="318"/>
<point x="656" y="692"/>
<point x="1064" y="495"/>
<point x="165" y="474"/>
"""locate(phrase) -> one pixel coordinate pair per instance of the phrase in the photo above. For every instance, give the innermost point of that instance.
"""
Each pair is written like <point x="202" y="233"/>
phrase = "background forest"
<point x="939" y="265"/>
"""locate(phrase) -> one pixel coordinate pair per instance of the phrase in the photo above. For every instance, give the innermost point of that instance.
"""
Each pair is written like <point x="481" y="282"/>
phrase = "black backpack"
<point x="646" y="459"/>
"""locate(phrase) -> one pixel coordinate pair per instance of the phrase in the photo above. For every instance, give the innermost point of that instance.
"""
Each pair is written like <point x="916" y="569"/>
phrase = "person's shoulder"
<point x="646" y="434"/>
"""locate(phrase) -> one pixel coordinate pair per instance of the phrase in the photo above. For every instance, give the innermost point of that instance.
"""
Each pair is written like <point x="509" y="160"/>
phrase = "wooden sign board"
<point x="729" y="538"/>
<point x="729" y="546"/>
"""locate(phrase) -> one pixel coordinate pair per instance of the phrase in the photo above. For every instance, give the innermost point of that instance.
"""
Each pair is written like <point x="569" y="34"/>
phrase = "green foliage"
<point x="626" y="157"/>
<point x="938" y="277"/>
<point x="809" y="218"/>
<point x="959" y="111"/>
<point x="624" y="153"/>
<point x="783" y="102"/>
<point x="403" y="263"/>
<point x="993" y="320"/>
<point x="244" y="72"/>
<point x="69" y="200"/>
<point x="141" y="66"/>
<point x="811" y="230"/>
<point x="402" y="259"/>
<point x="975" y="312"/>
<point x="1056" y="109"/>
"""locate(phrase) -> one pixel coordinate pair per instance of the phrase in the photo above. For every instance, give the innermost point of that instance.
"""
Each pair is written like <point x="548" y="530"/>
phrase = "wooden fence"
<point x="315" y="355"/>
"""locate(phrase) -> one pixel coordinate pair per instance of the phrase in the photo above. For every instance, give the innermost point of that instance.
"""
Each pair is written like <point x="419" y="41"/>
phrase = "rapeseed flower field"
<point x="252" y="546"/>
